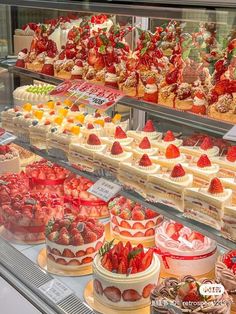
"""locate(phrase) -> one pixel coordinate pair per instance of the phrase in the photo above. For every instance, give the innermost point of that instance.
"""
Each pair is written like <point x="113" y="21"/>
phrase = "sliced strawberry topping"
<point x="177" y="171"/>
<point x="116" y="149"/>
<point x="90" y="126"/>
<point x="93" y="140"/>
<point x="207" y="143"/>
<point x="172" y="151"/>
<point x="149" y="126"/>
<point x="145" y="143"/>
<point x="203" y="161"/>
<point x="215" y="186"/>
<point x="169" y="137"/>
<point x="120" y="133"/>
<point x="231" y="154"/>
<point x="145" y="161"/>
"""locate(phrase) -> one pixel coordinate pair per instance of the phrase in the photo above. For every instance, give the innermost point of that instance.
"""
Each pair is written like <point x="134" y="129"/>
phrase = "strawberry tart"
<point x="84" y="155"/>
<point x="169" y="188"/>
<point x="132" y="222"/>
<point x="124" y="276"/>
<point x="168" y="139"/>
<point x="149" y="130"/>
<point x="183" y="251"/>
<point x="135" y="175"/>
<point x="225" y="270"/>
<point x="80" y="201"/>
<point x="26" y="215"/>
<point x="171" y="157"/>
<point x="9" y="159"/>
<point x="207" y="204"/>
<point x="72" y="242"/>
<point x="183" y="295"/>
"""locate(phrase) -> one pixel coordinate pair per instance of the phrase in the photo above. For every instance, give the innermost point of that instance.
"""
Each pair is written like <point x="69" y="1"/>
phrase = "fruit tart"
<point x="124" y="276"/>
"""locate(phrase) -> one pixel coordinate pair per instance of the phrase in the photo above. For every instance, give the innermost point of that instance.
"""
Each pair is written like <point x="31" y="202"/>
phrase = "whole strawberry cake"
<point x="72" y="242"/>
<point x="130" y="221"/>
<point x="46" y="176"/>
<point x="79" y="200"/>
<point x="25" y="216"/>
<point x="183" y="251"/>
<point x="125" y="275"/>
<point x="9" y="159"/>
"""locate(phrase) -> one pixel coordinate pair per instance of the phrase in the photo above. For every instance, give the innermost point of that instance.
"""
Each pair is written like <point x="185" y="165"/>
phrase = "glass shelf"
<point x="167" y="211"/>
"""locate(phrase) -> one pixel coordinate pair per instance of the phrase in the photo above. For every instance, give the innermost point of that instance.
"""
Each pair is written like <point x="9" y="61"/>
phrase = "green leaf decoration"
<point x="104" y="39"/>
<point x="120" y="45"/>
<point x="143" y="50"/>
<point x="106" y="248"/>
<point x="186" y="53"/>
<point x="134" y="253"/>
<point x="102" y="49"/>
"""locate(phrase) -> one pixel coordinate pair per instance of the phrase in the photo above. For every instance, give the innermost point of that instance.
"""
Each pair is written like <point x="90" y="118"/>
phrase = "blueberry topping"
<point x="35" y="122"/>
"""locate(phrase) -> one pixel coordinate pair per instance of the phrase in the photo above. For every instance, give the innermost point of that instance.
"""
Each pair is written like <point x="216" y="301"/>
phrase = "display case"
<point x="154" y="166"/>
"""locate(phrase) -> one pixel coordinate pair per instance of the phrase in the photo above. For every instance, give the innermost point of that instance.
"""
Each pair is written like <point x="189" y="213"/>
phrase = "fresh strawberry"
<point x="145" y="161"/>
<point x="149" y="126"/>
<point x="111" y="69"/>
<point x="113" y="294"/>
<point x="215" y="186"/>
<point x="203" y="161"/>
<point x="170" y="230"/>
<point x="125" y="214"/>
<point x="68" y="253"/>
<point x="147" y="259"/>
<point x="90" y="126"/>
<point x="53" y="236"/>
<point x="151" y="80"/>
<point x="207" y="143"/>
<point x="61" y="261"/>
<point x="120" y="133"/>
<point x="149" y="213"/>
<point x="138" y="215"/>
<point x="93" y="140"/>
<point x="88" y="235"/>
<point x="231" y="154"/>
<point x="63" y="239"/>
<point x="116" y="149"/>
<point x="192" y="296"/>
<point x="227" y="261"/>
<point x="98" y="287"/>
<point x="172" y="151"/>
<point x="138" y="225"/>
<point x="145" y="143"/>
<point x="147" y="290"/>
<point x="175" y="236"/>
<point x="178" y="226"/>
<point x="177" y="171"/>
<point x="77" y="240"/>
<point x="169" y="136"/>
<point x="150" y="232"/>
<point x="125" y="224"/>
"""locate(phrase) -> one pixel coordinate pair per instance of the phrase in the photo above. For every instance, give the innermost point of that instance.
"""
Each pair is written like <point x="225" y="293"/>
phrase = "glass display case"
<point x="161" y="147"/>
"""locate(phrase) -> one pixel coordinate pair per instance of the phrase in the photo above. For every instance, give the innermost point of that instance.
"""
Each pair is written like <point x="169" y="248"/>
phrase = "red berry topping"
<point x="172" y="151"/>
<point x="93" y="140"/>
<point x="116" y="149"/>
<point x="231" y="154"/>
<point x="215" y="186"/>
<point x="203" y="161"/>
<point x="151" y="80"/>
<point x="90" y="126"/>
<point x="111" y="69"/>
<point x="169" y="137"/>
<point x="207" y="143"/>
<point x="149" y="126"/>
<point x="172" y="76"/>
<point x="120" y="133"/>
<point x="177" y="171"/>
<point x="145" y="161"/>
<point x="145" y="143"/>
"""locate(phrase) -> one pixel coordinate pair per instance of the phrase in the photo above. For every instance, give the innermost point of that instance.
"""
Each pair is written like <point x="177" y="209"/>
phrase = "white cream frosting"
<point x="149" y="151"/>
<point x="211" y="151"/>
<point x="49" y="60"/>
<point x="107" y="24"/>
<point x="111" y="77"/>
<point x="150" y="88"/>
<point x="76" y="70"/>
<point x="213" y="169"/>
<point x="199" y="102"/>
<point x="21" y="55"/>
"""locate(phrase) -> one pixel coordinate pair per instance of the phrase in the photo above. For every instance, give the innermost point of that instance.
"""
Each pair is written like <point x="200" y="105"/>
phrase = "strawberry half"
<point x="231" y="154"/>
<point x="177" y="171"/>
<point x="207" y="143"/>
<point x="116" y="149"/>
<point x="145" y="143"/>
<point x="93" y="140"/>
<point x="169" y="137"/>
<point x="90" y="126"/>
<point x="215" y="186"/>
<point x="149" y="126"/>
<point x="145" y="161"/>
<point x="120" y="133"/>
<point x="172" y="151"/>
<point x="203" y="161"/>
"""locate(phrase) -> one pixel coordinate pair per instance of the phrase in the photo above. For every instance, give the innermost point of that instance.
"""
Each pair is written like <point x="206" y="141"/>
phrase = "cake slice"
<point x="135" y="175"/>
<point x="168" y="139"/>
<point x="229" y="223"/>
<point x="169" y="188"/>
<point x="206" y="147"/>
<point x="7" y="118"/>
<point x="120" y="136"/>
<point x="9" y="160"/>
<point x="207" y="204"/>
<point x="83" y="154"/>
<point x="149" y="130"/>
<point x="227" y="163"/>
<point x="91" y="128"/>
<point x="172" y="156"/>
<point x="144" y="147"/>
<point x="110" y="124"/>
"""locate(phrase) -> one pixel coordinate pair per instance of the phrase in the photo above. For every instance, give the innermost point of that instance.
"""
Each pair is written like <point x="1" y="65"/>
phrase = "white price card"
<point x="104" y="189"/>
<point x="55" y="290"/>
<point x="6" y="137"/>
<point x="231" y="134"/>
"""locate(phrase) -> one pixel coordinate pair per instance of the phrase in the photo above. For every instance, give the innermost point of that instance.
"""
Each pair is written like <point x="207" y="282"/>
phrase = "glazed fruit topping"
<point x="229" y="259"/>
<point x="149" y="126"/>
<point x="120" y="133"/>
<point x="203" y="161"/>
<point x="116" y="149"/>
<point x="93" y="140"/>
<point x="177" y="171"/>
<point x="169" y="136"/>
<point x="231" y="154"/>
<point x="172" y="151"/>
<point x="145" y="161"/>
<point x="207" y="143"/>
<point x="125" y="259"/>
<point x="215" y="186"/>
<point x="44" y="169"/>
<point x="145" y="143"/>
<point x="151" y="80"/>
<point x="4" y="149"/>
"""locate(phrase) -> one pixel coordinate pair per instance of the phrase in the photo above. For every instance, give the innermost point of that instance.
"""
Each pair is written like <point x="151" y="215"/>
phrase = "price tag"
<point x="6" y="137"/>
<point x="104" y="189"/>
<point x="231" y="134"/>
<point x="55" y="290"/>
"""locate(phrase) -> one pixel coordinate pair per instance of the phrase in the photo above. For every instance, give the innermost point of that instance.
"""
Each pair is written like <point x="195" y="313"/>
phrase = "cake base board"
<point x="210" y="275"/>
<point x="4" y="233"/>
<point x="42" y="262"/>
<point x="101" y="308"/>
